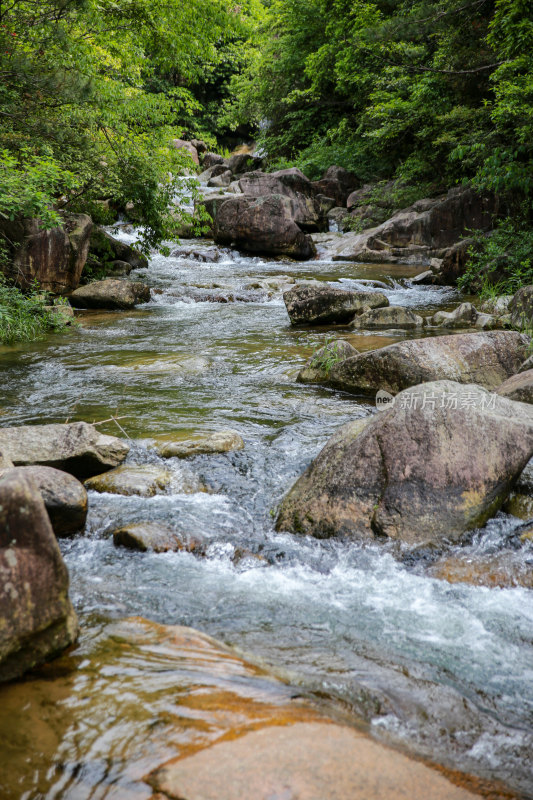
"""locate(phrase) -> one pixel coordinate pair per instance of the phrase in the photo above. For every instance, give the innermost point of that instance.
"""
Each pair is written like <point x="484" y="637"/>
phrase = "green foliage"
<point x="427" y="91"/>
<point x="326" y="355"/>
<point x="24" y="317"/>
<point x="501" y="263"/>
<point x="93" y="91"/>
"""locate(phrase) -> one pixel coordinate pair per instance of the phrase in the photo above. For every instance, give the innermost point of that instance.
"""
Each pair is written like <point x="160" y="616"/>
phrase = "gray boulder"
<point x="143" y="481"/>
<point x="158" y="538"/>
<point x="395" y="317"/>
<point x="65" y="498"/>
<point x="261" y="225"/>
<point x="324" y="304"/>
<point x="77" y="447"/>
<point x="292" y="184"/>
<point x="38" y="620"/>
<point x="485" y="358"/>
<point x="464" y="316"/>
<point x="110" y="294"/>
<point x="439" y="461"/>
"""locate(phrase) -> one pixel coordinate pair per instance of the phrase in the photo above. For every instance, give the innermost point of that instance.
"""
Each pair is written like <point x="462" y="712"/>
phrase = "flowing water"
<point x="444" y="669"/>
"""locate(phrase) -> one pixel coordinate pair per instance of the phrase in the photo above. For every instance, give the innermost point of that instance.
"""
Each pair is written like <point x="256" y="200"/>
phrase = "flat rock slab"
<point x="143" y="481"/>
<point x="324" y="304"/>
<point x="158" y="538"/>
<point x="305" y="761"/>
<point x="77" y="447"/>
<point x="395" y="317"/>
<point x="486" y="359"/>
<point x="219" y="442"/>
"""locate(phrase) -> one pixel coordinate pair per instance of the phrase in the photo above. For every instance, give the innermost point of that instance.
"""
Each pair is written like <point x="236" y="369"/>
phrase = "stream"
<point x="444" y="670"/>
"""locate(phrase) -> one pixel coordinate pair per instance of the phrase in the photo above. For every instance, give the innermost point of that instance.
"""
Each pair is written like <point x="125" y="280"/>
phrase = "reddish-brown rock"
<point x="36" y="618"/>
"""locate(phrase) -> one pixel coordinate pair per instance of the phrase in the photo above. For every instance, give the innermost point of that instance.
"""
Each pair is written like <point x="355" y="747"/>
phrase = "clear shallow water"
<point x="445" y="669"/>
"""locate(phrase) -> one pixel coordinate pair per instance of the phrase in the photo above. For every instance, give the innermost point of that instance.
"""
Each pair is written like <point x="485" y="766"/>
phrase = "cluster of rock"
<point x="439" y="458"/>
<point x="272" y="213"/>
<point x="313" y="303"/>
<point x="41" y="497"/>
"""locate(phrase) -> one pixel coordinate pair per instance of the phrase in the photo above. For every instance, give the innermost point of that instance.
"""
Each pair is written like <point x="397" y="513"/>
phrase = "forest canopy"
<point x="428" y="93"/>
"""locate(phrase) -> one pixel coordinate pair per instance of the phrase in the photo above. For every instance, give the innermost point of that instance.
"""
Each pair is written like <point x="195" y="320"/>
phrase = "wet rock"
<point x="322" y="304"/>
<point x="488" y="322"/>
<point x="527" y="364"/>
<point x="157" y="538"/>
<point x="291" y="184"/>
<point x="54" y="258"/>
<point x="502" y="570"/>
<point x="437" y="462"/>
<point x="524" y="484"/>
<point x="308" y="761"/>
<point x="518" y="387"/>
<point x="206" y="255"/>
<point x="144" y="481"/>
<point x="483" y="358"/>
<point x="319" y="365"/>
<point x="65" y="498"/>
<point x="77" y="448"/>
<point x="113" y="294"/>
<point x="261" y="225"/>
<point x="219" y="442"/>
<point x="521" y="308"/>
<point x="338" y="219"/>
<point x="390" y="317"/>
<point x="519" y="505"/>
<point x="105" y="248"/>
<point x="38" y="620"/>
<point x="464" y="316"/>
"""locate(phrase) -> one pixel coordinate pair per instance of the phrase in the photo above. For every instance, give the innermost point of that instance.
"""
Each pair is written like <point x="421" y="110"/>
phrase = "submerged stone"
<point x="143" y="481"/>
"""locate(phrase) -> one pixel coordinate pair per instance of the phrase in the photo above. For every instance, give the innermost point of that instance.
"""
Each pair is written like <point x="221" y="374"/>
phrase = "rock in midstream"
<point x="439" y="461"/>
<point x="321" y="304"/>
<point x="485" y="358"/>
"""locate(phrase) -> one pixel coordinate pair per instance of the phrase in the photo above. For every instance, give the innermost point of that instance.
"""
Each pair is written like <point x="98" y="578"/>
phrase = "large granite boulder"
<point x="292" y="184"/>
<point x="485" y="358"/>
<point x="54" y="258"/>
<point x="320" y="305"/>
<point x="37" y="618"/>
<point x="427" y="228"/>
<point x="243" y="162"/>
<point x="110" y="294"/>
<point x="439" y="461"/>
<point x="76" y="447"/>
<point x="262" y="225"/>
<point x="65" y="498"/>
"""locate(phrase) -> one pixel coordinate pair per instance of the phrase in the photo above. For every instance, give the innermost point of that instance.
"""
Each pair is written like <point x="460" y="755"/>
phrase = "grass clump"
<point x="25" y="317"/>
